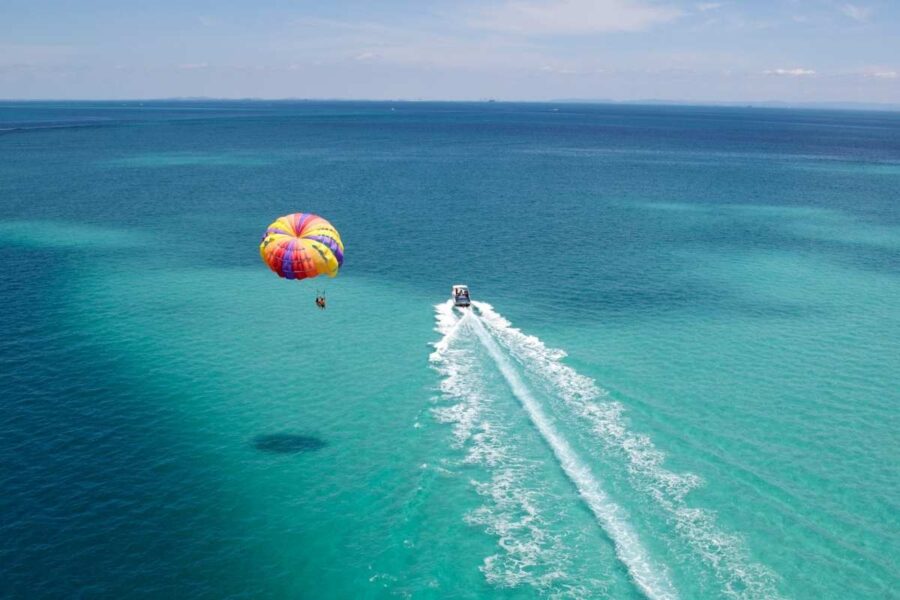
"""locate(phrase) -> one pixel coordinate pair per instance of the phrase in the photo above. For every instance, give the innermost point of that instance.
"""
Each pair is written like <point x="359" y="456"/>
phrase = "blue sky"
<point x="787" y="50"/>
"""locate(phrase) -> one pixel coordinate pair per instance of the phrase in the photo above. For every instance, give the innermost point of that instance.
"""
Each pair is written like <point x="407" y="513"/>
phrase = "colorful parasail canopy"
<point x="302" y="245"/>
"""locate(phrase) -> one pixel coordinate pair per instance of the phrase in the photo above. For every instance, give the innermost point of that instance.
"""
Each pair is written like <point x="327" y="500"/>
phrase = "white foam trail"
<point x="528" y="553"/>
<point x="739" y="576"/>
<point x="448" y="324"/>
<point x="653" y="581"/>
<point x="457" y="367"/>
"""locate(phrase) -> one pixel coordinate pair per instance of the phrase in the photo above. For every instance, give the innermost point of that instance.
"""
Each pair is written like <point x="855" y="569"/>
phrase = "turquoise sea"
<point x="681" y="378"/>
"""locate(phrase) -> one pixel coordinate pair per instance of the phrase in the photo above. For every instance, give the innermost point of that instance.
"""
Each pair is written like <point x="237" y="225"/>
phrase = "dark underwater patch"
<point x="288" y="443"/>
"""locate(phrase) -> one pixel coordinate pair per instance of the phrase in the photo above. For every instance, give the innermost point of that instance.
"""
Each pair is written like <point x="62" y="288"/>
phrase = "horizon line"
<point x="810" y="104"/>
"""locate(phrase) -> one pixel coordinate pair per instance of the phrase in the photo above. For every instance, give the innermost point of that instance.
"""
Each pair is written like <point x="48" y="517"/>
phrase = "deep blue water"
<point x="178" y="422"/>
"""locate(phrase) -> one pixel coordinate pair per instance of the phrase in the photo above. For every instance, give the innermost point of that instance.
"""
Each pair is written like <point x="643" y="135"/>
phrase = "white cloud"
<point x="705" y="6"/>
<point x="878" y="72"/>
<point x="573" y="17"/>
<point x="365" y="56"/>
<point x="796" y="72"/>
<point x="193" y="66"/>
<point x="857" y="12"/>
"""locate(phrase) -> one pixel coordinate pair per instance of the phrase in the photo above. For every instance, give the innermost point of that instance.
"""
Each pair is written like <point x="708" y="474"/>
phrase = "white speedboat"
<point x="460" y="295"/>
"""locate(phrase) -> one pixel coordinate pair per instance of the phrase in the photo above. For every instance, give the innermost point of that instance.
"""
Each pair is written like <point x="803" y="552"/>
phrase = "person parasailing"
<point x="302" y="246"/>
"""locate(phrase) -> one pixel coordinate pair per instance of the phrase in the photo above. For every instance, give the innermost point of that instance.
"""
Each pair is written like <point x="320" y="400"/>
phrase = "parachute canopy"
<point x="302" y="245"/>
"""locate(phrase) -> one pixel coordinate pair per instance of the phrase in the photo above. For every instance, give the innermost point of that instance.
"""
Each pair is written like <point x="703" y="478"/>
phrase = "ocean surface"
<point x="681" y="378"/>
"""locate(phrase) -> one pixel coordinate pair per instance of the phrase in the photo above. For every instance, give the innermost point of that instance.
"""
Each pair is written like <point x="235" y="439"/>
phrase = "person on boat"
<point x="320" y="302"/>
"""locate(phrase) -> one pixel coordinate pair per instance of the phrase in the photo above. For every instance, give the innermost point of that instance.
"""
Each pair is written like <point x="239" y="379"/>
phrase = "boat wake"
<point x="528" y="554"/>
<point x="459" y="369"/>
<point x="531" y="371"/>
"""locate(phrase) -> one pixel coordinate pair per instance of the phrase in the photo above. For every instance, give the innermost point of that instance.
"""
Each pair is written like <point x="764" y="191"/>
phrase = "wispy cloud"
<point x="795" y="72"/>
<point x="857" y="12"/>
<point x="404" y="45"/>
<point x="558" y="70"/>
<point x="573" y="17"/>
<point x="707" y="6"/>
<point x="193" y="66"/>
<point x="885" y="74"/>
